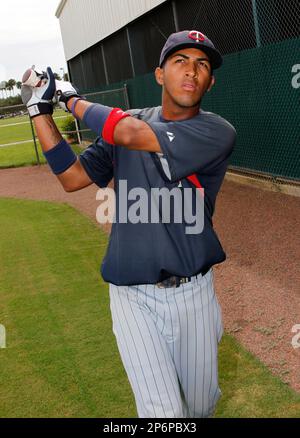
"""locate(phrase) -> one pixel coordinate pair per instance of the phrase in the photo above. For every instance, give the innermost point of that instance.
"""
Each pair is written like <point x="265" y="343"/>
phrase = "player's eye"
<point x="204" y="64"/>
<point x="179" y="61"/>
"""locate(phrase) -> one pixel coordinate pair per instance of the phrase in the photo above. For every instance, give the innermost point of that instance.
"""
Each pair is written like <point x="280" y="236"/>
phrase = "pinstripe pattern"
<point x="168" y="342"/>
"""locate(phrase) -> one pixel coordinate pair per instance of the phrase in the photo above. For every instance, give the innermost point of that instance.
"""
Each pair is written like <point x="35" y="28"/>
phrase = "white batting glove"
<point x="37" y="92"/>
<point x="64" y="91"/>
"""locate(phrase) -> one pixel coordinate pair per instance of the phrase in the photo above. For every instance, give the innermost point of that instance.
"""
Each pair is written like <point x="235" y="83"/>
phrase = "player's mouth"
<point x="188" y="86"/>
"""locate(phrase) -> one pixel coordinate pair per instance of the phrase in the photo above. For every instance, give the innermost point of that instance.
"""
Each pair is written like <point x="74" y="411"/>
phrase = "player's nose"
<point x="191" y="70"/>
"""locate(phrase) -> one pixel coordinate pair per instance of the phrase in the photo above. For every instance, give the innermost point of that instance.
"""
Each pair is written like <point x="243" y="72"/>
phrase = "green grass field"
<point x="13" y="120"/>
<point x="22" y="126"/>
<point x="18" y="129"/>
<point x="61" y="358"/>
<point x="24" y="155"/>
<point x="58" y="114"/>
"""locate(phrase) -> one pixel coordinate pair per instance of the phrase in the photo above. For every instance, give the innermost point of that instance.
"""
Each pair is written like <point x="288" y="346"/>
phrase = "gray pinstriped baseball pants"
<point x="168" y="341"/>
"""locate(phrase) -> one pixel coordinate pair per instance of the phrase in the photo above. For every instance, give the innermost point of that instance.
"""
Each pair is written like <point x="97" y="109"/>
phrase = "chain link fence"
<point x="257" y="89"/>
<point x="18" y="142"/>
<point x="19" y="145"/>
<point x="16" y="132"/>
<point x="116" y="97"/>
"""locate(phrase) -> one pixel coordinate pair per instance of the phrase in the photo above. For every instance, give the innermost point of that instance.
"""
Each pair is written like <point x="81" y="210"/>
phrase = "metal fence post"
<point x="256" y="24"/>
<point x="77" y="131"/>
<point x="126" y="96"/>
<point x="175" y="16"/>
<point x="34" y="141"/>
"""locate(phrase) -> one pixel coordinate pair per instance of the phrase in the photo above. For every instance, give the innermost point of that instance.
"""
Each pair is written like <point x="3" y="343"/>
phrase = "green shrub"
<point x="69" y="125"/>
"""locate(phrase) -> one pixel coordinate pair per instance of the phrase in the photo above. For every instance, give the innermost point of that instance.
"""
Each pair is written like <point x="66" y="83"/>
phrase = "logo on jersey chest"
<point x="171" y="136"/>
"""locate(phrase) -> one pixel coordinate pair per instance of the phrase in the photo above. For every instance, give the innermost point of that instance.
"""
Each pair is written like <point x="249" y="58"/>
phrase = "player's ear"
<point x="212" y="83"/>
<point x="159" y="75"/>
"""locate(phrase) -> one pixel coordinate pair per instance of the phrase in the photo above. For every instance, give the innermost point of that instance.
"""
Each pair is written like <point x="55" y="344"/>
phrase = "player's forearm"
<point x="37" y="92"/>
<point x="47" y="132"/>
<point x="74" y="177"/>
<point x="81" y="107"/>
<point x="128" y="132"/>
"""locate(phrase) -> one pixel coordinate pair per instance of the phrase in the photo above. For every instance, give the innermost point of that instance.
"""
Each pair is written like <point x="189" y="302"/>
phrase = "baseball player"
<point x="165" y="313"/>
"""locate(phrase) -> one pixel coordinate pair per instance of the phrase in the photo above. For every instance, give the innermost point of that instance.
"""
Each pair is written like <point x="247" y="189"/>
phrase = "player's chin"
<point x="189" y="102"/>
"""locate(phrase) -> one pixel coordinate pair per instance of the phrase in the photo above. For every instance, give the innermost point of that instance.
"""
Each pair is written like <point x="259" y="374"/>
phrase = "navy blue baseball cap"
<point x="191" y="38"/>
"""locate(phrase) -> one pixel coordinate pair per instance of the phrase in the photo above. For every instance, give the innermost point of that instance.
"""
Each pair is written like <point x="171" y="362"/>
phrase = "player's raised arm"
<point x="114" y="125"/>
<point x="37" y="93"/>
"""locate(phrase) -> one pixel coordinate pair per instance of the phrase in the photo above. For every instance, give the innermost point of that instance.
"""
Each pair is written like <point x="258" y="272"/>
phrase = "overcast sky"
<point x="29" y="34"/>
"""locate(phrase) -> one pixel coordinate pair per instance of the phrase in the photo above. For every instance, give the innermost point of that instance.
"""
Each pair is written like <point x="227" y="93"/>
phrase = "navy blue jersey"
<point x="146" y="253"/>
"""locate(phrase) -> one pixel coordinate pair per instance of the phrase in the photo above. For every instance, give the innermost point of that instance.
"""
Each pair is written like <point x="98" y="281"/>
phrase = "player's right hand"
<point x="38" y="99"/>
<point x="64" y="91"/>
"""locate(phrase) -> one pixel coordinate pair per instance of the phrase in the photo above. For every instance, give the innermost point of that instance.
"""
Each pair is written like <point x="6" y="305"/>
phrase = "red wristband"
<point x="109" y="126"/>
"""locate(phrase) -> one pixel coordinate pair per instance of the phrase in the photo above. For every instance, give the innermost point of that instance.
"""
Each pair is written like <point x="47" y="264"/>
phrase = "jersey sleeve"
<point x="199" y="144"/>
<point x="97" y="161"/>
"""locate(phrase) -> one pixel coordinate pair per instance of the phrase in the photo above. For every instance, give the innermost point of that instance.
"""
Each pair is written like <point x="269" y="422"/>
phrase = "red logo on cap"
<point x="197" y="36"/>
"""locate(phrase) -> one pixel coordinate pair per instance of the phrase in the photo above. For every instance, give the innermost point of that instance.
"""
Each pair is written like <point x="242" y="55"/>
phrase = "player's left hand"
<point x="37" y="91"/>
<point x="64" y="91"/>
